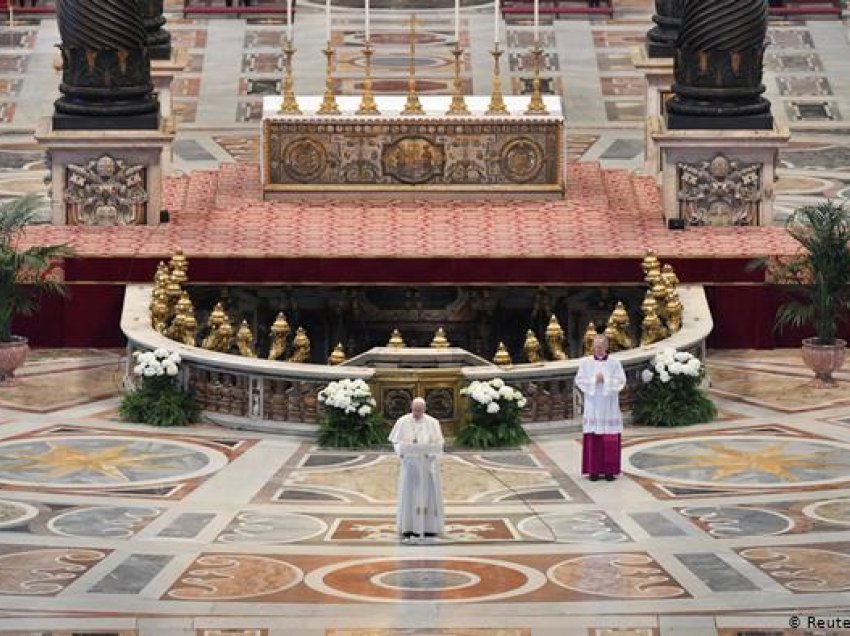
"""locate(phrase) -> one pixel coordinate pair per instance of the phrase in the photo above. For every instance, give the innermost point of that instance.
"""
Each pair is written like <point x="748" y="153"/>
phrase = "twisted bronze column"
<point x="106" y="76"/>
<point x="158" y="40"/>
<point x="718" y="67"/>
<point x="661" y="39"/>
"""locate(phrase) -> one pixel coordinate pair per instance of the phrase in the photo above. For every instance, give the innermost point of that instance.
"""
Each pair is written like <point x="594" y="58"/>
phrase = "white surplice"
<point x="419" y="443"/>
<point x="602" y="414"/>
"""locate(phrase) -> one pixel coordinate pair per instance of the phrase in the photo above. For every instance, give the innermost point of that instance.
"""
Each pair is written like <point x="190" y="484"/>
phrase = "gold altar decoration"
<point x="179" y="266"/>
<point x="289" y="105"/>
<point x="162" y="275"/>
<point x="337" y="355"/>
<point x="159" y="310"/>
<point x="587" y="339"/>
<point x="220" y="338"/>
<point x="668" y="275"/>
<point x="190" y="330"/>
<point x="612" y="335"/>
<point x="653" y="276"/>
<point x="497" y="101"/>
<point x="367" y="102"/>
<point x="440" y="341"/>
<point x="674" y="309"/>
<point x="502" y="357"/>
<point x="245" y="341"/>
<point x="619" y="322"/>
<point x="172" y="293"/>
<point x="215" y="321"/>
<point x="555" y="339"/>
<point x="279" y="332"/>
<point x="458" y="105"/>
<point x="412" y="106"/>
<point x="649" y="303"/>
<point x="536" y="105"/>
<point x="659" y="292"/>
<point x="651" y="329"/>
<point x="396" y="341"/>
<point x="532" y="349"/>
<point x="175" y="329"/>
<point x="183" y="310"/>
<point x="301" y="346"/>
<point x="650" y="261"/>
<point x="329" y="105"/>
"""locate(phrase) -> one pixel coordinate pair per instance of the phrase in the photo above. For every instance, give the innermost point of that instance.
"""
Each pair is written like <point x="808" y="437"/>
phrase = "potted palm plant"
<point x="818" y="283"/>
<point x="23" y="278"/>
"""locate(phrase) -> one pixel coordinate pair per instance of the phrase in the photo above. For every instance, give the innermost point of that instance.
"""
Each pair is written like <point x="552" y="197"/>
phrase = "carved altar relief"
<point x="719" y="192"/>
<point x="105" y="191"/>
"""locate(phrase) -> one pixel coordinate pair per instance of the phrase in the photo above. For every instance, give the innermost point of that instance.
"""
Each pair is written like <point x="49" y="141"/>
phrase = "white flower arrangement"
<point x="489" y="394"/>
<point x="349" y="396"/>
<point x="670" y="363"/>
<point x="162" y="362"/>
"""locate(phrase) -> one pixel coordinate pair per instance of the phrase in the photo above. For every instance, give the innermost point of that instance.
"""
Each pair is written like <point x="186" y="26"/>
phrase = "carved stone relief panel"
<point x="105" y="191"/>
<point x="719" y="192"/>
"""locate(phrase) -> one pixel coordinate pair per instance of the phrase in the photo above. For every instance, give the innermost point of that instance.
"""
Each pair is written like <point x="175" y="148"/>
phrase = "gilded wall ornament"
<point x="413" y="159"/>
<point x="521" y="160"/>
<point x="105" y="191"/>
<point x="719" y="192"/>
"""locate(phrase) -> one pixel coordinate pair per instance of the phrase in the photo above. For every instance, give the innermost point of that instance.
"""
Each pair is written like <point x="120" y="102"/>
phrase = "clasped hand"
<point x="600" y="378"/>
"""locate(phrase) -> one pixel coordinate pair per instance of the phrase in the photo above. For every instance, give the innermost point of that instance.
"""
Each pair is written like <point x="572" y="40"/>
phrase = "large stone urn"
<point x="824" y="360"/>
<point x="12" y="355"/>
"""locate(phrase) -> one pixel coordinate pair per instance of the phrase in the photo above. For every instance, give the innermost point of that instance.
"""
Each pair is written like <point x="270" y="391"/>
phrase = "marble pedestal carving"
<point x="718" y="177"/>
<point x="658" y="72"/>
<point x="104" y="177"/>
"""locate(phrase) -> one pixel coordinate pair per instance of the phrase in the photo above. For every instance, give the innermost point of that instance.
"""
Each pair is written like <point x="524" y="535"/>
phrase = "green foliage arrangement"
<point x="350" y="419"/>
<point x="23" y="272"/>
<point x="157" y="399"/>
<point x="818" y="281"/>
<point x="670" y="394"/>
<point x="495" y="416"/>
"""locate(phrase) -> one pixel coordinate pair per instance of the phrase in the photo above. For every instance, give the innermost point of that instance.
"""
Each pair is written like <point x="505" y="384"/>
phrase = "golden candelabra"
<point x="367" y="102"/>
<point x="329" y="105"/>
<point x="497" y="102"/>
<point x="458" y="106"/>
<point x="413" y="106"/>
<point x="536" y="105"/>
<point x="289" y="106"/>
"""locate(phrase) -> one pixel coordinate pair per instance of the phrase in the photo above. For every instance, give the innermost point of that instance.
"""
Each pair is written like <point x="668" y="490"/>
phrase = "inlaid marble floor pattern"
<point x="108" y="527"/>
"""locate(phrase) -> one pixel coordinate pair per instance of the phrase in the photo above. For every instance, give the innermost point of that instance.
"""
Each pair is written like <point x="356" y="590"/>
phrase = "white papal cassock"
<point x="602" y="424"/>
<point x="419" y="444"/>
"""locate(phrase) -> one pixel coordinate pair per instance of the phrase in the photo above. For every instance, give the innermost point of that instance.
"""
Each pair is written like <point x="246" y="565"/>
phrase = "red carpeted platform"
<point x="230" y="235"/>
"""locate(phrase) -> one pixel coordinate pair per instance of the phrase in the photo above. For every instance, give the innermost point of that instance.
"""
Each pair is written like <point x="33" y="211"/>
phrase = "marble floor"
<point x="737" y="527"/>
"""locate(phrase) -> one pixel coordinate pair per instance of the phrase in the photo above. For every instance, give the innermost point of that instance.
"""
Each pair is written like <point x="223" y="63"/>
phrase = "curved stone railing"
<point x="259" y="394"/>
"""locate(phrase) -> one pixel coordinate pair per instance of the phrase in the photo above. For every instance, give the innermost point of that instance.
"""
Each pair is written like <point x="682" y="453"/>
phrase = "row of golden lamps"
<point x="329" y="106"/>
<point x="173" y="315"/>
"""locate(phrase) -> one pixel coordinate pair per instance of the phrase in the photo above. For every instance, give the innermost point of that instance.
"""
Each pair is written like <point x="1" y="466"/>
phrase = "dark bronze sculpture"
<point x="661" y="39"/>
<point x="158" y="39"/>
<point x="106" y="76"/>
<point x="718" y="67"/>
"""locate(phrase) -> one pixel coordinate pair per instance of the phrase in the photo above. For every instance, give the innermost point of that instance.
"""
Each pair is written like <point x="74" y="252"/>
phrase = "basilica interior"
<point x="419" y="194"/>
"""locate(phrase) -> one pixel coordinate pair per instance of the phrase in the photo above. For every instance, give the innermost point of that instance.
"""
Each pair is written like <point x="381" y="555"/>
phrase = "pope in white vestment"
<point x="601" y="378"/>
<point x="418" y="441"/>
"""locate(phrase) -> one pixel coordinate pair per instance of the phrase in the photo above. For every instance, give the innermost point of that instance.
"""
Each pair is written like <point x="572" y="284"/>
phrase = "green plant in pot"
<point x="24" y="277"/>
<point x="818" y="284"/>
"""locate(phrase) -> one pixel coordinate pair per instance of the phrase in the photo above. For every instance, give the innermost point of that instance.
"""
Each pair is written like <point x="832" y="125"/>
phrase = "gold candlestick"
<point x="329" y="105"/>
<point x="289" y="106"/>
<point x="497" y="102"/>
<point x="413" y="106"/>
<point x="367" y="102"/>
<point x="458" y="106"/>
<point x="536" y="105"/>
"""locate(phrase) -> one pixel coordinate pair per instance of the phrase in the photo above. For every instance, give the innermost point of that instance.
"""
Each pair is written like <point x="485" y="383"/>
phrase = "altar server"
<point x="418" y="441"/>
<point x="601" y="378"/>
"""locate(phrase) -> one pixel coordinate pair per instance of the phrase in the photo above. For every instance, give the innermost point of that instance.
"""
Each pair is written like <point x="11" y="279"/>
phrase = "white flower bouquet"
<point x="157" y="397"/>
<point x="670" y="394"/>
<point x="350" y="419"/>
<point x="495" y="415"/>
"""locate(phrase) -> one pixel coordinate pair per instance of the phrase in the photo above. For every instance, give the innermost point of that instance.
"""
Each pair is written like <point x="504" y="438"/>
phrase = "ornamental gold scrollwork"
<point x="413" y="159"/>
<point x="304" y="159"/>
<point x="521" y="160"/>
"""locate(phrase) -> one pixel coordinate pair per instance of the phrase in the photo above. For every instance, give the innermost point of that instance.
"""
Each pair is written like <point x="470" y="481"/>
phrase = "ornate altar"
<point x="511" y="154"/>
